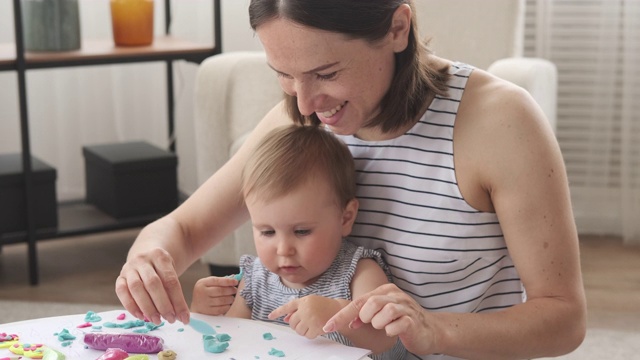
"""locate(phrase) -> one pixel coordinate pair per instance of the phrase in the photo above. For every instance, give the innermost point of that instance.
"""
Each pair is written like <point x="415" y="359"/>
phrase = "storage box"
<point x="131" y="179"/>
<point x="13" y="208"/>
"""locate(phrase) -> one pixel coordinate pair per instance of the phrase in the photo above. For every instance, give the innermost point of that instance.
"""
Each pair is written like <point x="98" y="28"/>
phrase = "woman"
<point x="478" y="232"/>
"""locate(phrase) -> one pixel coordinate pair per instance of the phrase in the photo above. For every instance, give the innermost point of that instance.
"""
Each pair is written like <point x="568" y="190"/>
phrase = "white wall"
<point x="237" y="34"/>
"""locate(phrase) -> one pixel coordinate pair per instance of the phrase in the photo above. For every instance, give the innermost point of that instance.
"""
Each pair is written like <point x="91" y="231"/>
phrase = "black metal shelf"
<point x="77" y="217"/>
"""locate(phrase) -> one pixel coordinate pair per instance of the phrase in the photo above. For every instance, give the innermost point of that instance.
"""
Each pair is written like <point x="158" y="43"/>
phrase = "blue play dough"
<point x="237" y="276"/>
<point x="92" y="317"/>
<point x="212" y="343"/>
<point x="276" y="352"/>
<point x="201" y="327"/>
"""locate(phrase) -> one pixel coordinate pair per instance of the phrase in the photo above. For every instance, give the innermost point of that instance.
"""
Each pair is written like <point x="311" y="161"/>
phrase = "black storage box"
<point x="13" y="208"/>
<point x="131" y="179"/>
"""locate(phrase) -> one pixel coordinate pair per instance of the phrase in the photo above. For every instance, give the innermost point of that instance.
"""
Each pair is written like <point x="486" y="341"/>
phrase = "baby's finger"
<point x="285" y="309"/>
<point x="219" y="291"/>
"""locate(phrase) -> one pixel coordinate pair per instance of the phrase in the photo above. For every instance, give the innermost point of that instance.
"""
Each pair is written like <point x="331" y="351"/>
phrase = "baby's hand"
<point x="213" y="295"/>
<point x="309" y="314"/>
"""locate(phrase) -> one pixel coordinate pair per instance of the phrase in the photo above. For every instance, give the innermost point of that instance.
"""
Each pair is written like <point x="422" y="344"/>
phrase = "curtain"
<point x="631" y="122"/>
<point x="596" y="46"/>
<point x="76" y="106"/>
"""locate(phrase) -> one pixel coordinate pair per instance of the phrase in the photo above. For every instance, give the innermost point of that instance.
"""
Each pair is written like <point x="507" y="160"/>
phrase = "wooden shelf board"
<point x="80" y="218"/>
<point x="7" y="56"/>
<point x="105" y="52"/>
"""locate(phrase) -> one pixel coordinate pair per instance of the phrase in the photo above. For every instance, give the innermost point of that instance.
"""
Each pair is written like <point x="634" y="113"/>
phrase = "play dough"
<point x="51" y="354"/>
<point x="132" y="343"/>
<point x="7" y="340"/>
<point x="32" y="351"/>
<point x="276" y="352"/>
<point x="114" y="354"/>
<point x="92" y="317"/>
<point x="167" y="355"/>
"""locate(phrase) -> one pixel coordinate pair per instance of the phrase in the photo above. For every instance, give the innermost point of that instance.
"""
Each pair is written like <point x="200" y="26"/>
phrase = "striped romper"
<point x="449" y="256"/>
<point x="264" y="292"/>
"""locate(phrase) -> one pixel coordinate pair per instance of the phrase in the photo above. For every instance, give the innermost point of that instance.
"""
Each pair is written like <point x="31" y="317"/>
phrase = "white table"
<point x="246" y="341"/>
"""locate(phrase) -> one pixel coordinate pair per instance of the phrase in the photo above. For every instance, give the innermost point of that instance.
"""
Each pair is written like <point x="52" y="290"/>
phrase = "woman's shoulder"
<point x="497" y="125"/>
<point x="489" y="92"/>
<point x="491" y="103"/>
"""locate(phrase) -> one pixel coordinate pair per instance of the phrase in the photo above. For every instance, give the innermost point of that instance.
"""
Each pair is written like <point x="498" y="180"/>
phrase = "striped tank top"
<point x="447" y="255"/>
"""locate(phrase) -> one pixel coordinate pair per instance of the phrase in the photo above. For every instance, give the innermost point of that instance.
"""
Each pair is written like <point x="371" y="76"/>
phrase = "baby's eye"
<point x="327" y="76"/>
<point x="302" y="232"/>
<point x="267" y="233"/>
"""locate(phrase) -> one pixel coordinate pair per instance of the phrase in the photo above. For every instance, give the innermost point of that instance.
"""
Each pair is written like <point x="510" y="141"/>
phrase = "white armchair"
<point x="235" y="90"/>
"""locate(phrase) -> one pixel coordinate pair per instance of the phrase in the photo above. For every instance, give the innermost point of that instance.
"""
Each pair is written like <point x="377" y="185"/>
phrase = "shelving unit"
<point x="77" y="217"/>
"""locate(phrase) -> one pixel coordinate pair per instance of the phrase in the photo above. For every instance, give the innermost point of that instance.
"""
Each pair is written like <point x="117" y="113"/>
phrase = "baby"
<point x="299" y="187"/>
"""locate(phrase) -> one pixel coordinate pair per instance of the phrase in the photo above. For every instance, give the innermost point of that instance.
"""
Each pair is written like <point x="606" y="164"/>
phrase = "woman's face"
<point x="341" y="80"/>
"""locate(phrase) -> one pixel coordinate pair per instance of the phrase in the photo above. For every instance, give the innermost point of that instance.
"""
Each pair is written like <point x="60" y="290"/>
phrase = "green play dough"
<point x="276" y="352"/>
<point x="214" y="346"/>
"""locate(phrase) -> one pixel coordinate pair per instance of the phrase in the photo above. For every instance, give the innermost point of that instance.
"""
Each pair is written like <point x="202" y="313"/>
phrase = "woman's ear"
<point x="400" y="27"/>
<point x="349" y="216"/>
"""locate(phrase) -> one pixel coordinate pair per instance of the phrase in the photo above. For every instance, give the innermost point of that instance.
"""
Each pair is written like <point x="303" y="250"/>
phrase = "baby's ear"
<point x="349" y="216"/>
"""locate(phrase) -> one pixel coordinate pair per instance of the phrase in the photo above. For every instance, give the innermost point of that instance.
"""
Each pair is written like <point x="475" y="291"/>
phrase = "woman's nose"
<point x="306" y="97"/>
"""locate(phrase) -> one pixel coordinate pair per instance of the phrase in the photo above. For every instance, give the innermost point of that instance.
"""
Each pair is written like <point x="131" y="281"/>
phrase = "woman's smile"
<point x="332" y="116"/>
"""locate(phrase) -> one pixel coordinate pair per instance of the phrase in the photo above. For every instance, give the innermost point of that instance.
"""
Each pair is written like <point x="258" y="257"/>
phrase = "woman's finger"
<point x="141" y="296"/>
<point x="219" y="281"/>
<point x="156" y="289"/>
<point x="347" y="314"/>
<point x="126" y="299"/>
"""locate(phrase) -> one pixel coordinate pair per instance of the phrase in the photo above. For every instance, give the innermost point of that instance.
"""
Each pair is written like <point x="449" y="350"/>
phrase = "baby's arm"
<point x="239" y="308"/>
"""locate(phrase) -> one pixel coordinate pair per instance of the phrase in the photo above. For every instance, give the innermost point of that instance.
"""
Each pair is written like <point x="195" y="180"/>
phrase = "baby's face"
<point x="298" y="235"/>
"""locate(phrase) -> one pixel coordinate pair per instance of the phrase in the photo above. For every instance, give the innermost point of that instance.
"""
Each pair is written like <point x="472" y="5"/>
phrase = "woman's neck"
<point x="376" y="133"/>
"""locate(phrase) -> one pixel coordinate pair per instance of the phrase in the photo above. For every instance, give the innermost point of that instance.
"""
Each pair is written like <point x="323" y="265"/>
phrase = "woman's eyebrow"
<point x="319" y="68"/>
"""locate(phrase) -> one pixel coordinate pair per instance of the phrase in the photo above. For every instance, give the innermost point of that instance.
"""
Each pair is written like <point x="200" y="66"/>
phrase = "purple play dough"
<point x="132" y="343"/>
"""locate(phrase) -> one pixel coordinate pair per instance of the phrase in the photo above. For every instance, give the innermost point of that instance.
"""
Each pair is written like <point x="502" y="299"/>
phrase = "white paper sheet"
<point x="246" y="342"/>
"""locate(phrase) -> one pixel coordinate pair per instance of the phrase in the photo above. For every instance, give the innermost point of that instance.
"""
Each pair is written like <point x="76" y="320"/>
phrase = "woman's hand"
<point x="307" y="315"/>
<point x="389" y="308"/>
<point x="213" y="295"/>
<point x="148" y="286"/>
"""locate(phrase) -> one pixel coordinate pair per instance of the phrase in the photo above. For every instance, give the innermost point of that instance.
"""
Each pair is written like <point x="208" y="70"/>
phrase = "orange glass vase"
<point x="132" y="22"/>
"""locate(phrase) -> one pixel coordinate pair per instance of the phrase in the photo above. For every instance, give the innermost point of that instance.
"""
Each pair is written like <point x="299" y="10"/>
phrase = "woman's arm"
<point x="508" y="161"/>
<point x="511" y="158"/>
<point x="148" y="284"/>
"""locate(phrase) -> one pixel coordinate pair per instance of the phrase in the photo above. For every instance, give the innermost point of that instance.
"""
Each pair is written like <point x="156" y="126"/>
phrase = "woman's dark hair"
<point x="415" y="76"/>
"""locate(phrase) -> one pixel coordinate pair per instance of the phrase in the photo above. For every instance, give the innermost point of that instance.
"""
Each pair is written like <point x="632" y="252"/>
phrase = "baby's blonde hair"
<point x="289" y="156"/>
